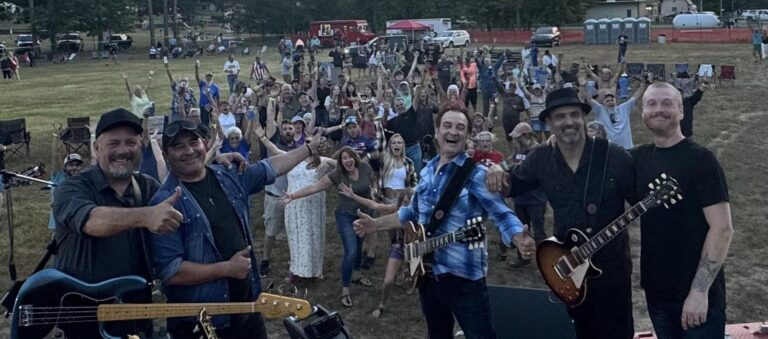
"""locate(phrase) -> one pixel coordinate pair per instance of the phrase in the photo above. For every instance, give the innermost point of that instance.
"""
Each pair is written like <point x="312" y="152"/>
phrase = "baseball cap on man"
<point x="350" y="120"/>
<point x="176" y="128"/>
<point x="73" y="157"/>
<point x="118" y="117"/>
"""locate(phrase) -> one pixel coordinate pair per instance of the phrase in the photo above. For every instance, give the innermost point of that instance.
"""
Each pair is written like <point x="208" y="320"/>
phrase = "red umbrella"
<point x="409" y="25"/>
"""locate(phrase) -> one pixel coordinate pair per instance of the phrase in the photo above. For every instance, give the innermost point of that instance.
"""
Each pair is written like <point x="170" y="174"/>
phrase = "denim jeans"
<point x="353" y="245"/>
<point x="413" y="152"/>
<point x="665" y="317"/>
<point x="448" y="296"/>
<point x="231" y="81"/>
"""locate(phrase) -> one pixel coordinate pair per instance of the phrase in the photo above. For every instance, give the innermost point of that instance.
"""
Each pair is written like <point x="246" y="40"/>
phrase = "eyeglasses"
<point x="180" y="125"/>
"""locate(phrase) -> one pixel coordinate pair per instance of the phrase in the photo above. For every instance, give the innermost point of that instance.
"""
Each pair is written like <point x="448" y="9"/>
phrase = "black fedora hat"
<point x="563" y="97"/>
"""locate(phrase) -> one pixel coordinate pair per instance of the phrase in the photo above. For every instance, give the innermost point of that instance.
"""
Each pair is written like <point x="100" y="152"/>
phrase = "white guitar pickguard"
<point x="578" y="274"/>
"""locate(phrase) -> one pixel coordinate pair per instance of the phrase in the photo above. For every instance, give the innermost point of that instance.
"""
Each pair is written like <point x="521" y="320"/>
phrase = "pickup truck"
<point x="69" y="42"/>
<point x="754" y="15"/>
<point x="25" y="43"/>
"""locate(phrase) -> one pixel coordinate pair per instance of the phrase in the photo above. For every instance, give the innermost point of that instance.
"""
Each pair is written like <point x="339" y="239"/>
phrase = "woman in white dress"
<point x="305" y="220"/>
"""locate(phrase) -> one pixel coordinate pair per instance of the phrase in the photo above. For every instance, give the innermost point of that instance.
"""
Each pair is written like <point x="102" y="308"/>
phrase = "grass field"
<point x="729" y="120"/>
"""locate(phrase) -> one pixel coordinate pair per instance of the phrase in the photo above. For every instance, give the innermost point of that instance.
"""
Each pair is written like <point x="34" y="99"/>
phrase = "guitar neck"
<point x="119" y="312"/>
<point x="589" y="248"/>
<point x="438" y="242"/>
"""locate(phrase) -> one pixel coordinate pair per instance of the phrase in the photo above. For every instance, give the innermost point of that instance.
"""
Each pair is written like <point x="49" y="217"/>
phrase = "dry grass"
<point x="730" y="120"/>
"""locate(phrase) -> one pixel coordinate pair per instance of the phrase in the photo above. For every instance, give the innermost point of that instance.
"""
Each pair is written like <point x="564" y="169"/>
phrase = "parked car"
<point x="453" y="38"/>
<point x="123" y="41"/>
<point x="25" y="43"/>
<point x="754" y="14"/>
<point x="546" y="36"/>
<point x="69" y="42"/>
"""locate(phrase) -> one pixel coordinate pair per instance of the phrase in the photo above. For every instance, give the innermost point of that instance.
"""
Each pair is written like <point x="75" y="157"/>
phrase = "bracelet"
<point x="309" y="148"/>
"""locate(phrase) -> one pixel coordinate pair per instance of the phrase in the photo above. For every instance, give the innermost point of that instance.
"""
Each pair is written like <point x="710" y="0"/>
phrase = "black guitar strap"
<point x="595" y="183"/>
<point x="450" y="195"/>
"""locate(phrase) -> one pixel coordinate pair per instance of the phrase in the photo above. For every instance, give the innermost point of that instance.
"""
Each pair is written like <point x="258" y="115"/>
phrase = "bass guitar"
<point x="417" y="244"/>
<point x="50" y="298"/>
<point x="566" y="265"/>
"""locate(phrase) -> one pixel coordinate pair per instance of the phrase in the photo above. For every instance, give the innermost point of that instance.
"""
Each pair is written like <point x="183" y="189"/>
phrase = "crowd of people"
<point x="400" y="143"/>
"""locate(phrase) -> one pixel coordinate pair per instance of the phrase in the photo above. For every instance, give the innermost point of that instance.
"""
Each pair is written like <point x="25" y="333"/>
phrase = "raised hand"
<point x="239" y="265"/>
<point x="163" y="218"/>
<point x="346" y="190"/>
<point x="364" y="225"/>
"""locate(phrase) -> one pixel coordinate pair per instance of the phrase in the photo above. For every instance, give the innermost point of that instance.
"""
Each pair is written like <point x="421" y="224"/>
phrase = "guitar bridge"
<point x="25" y="315"/>
<point x="563" y="268"/>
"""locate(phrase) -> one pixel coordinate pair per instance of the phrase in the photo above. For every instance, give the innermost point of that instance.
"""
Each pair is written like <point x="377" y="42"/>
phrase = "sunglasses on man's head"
<point x="186" y="125"/>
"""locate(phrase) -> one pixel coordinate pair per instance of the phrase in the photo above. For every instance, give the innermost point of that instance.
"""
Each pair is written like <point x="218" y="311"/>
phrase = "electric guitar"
<point x="417" y="244"/>
<point x="50" y="298"/>
<point x="204" y="326"/>
<point x="566" y="265"/>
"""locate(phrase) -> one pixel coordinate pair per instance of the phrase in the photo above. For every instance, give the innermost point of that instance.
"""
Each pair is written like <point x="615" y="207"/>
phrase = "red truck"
<point x="333" y="32"/>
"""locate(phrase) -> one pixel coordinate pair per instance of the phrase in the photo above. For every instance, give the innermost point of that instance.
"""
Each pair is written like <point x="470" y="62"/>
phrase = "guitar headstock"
<point x="665" y="191"/>
<point x="277" y="306"/>
<point x="473" y="233"/>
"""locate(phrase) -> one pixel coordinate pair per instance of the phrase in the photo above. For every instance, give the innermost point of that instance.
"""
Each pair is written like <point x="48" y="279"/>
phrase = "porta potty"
<point x="603" y="35"/>
<point x="590" y="32"/>
<point x="615" y="29"/>
<point x="643" y="30"/>
<point x="629" y="28"/>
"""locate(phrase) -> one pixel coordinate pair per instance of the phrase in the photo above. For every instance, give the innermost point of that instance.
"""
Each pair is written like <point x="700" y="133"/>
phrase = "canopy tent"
<point x="409" y="25"/>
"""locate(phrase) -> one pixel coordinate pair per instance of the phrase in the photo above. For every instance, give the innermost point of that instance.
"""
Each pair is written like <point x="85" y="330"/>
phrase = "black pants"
<point x="449" y="296"/>
<point x="533" y="216"/>
<point x="242" y="326"/>
<point x="471" y="98"/>
<point x="606" y="312"/>
<point x="7" y="74"/>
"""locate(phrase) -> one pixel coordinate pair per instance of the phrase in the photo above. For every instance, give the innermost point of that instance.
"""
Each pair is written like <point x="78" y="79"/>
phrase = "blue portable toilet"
<point x="628" y="26"/>
<point x="643" y="30"/>
<point x="590" y="32"/>
<point x="603" y="36"/>
<point x="615" y="29"/>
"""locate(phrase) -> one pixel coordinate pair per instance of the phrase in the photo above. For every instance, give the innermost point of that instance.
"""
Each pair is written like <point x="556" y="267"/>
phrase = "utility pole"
<point x="32" y="23"/>
<point x="165" y="22"/>
<point x="175" y="21"/>
<point x="151" y="23"/>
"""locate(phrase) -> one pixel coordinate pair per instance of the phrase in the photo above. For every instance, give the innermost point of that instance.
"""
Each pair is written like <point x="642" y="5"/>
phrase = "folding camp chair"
<point x="635" y="70"/>
<point x="14" y="135"/>
<point x="681" y="70"/>
<point x="246" y="51"/>
<point x="77" y="136"/>
<point x="658" y="71"/>
<point x="727" y="72"/>
<point x="706" y="70"/>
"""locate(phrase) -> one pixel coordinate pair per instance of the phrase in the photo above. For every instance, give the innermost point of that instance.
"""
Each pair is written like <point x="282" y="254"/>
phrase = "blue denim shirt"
<point x="474" y="200"/>
<point x="193" y="240"/>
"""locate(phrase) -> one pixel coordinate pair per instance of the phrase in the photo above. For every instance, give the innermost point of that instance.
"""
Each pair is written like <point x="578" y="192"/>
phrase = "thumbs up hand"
<point x="164" y="218"/>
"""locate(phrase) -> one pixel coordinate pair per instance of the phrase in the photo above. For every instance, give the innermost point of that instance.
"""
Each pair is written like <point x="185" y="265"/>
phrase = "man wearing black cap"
<point x="100" y="215"/>
<point x="586" y="182"/>
<point x="210" y="257"/>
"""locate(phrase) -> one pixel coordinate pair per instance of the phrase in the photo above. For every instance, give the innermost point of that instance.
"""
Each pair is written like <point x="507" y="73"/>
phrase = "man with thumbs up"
<point x="101" y="212"/>
<point x="210" y="258"/>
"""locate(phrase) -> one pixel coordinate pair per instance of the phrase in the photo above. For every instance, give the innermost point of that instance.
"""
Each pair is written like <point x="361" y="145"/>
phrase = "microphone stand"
<point x="7" y="176"/>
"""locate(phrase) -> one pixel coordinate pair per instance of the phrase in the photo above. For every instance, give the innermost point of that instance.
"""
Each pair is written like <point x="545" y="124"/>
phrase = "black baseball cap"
<point x="116" y="118"/>
<point x="177" y="128"/>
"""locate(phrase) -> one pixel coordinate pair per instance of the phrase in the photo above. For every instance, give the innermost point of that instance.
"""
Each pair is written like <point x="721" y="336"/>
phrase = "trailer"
<point x="438" y="25"/>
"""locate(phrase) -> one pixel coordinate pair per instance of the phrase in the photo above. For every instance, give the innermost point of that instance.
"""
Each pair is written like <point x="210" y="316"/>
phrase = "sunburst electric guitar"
<point x="566" y="265"/>
<point x="417" y="244"/>
<point x="50" y="298"/>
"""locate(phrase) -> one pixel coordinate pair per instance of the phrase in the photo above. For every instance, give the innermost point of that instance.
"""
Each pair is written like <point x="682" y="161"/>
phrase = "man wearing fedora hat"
<point x="586" y="181"/>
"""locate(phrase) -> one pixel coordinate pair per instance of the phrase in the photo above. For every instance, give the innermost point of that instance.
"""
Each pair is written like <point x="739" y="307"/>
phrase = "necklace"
<point x="210" y="198"/>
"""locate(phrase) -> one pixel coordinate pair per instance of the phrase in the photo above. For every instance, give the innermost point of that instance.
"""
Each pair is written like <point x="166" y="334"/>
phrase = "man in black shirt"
<point x="683" y="248"/>
<point x="587" y="197"/>
<point x="100" y="216"/>
<point x="338" y="59"/>
<point x="444" y="72"/>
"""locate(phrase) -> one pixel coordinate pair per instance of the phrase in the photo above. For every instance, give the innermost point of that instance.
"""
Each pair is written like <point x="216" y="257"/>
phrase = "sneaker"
<point x="264" y="269"/>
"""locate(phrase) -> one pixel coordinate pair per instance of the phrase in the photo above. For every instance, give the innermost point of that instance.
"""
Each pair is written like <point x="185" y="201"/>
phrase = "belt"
<point x="272" y="194"/>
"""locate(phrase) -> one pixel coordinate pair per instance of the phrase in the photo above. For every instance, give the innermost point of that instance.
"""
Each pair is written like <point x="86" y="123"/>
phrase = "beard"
<point x="120" y="172"/>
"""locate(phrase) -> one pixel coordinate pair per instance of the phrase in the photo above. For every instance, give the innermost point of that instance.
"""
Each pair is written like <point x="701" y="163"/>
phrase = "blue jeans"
<point x="448" y="296"/>
<point x="353" y="245"/>
<point x="665" y="317"/>
<point x="231" y="81"/>
<point x="413" y="152"/>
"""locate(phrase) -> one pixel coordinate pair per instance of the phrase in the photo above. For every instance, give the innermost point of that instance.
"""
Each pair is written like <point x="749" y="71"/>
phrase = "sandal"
<point x="346" y="300"/>
<point x="378" y="312"/>
<point x="363" y="281"/>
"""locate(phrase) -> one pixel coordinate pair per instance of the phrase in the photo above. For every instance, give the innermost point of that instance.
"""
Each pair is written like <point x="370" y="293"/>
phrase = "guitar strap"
<point x="595" y="183"/>
<point x="138" y="200"/>
<point x="450" y="195"/>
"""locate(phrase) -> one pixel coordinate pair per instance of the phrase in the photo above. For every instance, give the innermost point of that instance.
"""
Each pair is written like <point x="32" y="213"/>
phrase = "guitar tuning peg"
<point x="666" y="205"/>
<point x="270" y="286"/>
<point x="650" y="185"/>
<point x="679" y="197"/>
<point x="294" y="291"/>
<point x="280" y="289"/>
<point x="306" y="292"/>
<point x="482" y="244"/>
<point x="673" y="201"/>
<point x="663" y="175"/>
<point x="657" y="181"/>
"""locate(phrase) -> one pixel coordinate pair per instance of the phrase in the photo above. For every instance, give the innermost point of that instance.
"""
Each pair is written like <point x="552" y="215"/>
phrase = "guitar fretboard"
<point x="586" y="250"/>
<point x="435" y="243"/>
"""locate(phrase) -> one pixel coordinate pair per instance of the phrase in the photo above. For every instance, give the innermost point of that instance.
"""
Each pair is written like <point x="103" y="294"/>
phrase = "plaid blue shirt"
<point x="474" y="200"/>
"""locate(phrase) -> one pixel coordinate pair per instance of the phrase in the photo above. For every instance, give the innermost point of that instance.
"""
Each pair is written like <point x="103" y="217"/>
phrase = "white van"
<point x="695" y="21"/>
